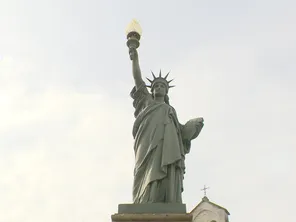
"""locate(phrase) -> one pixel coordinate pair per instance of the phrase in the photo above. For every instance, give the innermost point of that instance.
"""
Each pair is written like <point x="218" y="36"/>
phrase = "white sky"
<point x="66" y="117"/>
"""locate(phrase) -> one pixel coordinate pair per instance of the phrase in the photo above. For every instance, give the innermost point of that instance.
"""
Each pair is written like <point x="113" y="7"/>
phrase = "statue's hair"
<point x="167" y="99"/>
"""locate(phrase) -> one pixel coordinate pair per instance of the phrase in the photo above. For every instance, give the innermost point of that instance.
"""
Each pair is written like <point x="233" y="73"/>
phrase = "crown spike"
<point x="170" y="81"/>
<point x="153" y="75"/>
<point x="160" y="74"/>
<point x="171" y="86"/>
<point x="149" y="80"/>
<point x="166" y="75"/>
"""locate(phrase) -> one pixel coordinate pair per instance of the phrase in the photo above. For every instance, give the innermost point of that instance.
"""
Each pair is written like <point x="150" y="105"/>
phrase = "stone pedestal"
<point x="154" y="212"/>
<point x="152" y="208"/>
<point x="152" y="217"/>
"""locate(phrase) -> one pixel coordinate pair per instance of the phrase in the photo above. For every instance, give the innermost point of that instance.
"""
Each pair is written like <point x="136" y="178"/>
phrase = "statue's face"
<point x="159" y="89"/>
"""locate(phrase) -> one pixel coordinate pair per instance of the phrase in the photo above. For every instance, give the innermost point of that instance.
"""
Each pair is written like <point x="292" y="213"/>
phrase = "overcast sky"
<point x="66" y="146"/>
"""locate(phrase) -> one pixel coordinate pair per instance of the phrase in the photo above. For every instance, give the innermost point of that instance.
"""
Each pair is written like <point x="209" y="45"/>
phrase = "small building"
<point x="207" y="211"/>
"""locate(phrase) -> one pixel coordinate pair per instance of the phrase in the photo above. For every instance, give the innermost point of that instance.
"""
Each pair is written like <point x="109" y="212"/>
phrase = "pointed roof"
<point x="205" y="199"/>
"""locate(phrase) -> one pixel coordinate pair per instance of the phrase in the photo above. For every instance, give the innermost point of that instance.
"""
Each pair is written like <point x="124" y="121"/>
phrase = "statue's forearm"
<point x="137" y="72"/>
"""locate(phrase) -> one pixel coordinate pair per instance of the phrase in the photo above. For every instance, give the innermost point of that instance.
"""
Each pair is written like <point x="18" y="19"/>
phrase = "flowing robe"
<point x="159" y="150"/>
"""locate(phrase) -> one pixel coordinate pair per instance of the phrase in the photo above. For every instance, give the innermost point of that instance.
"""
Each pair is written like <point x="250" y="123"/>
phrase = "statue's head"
<point x="159" y="89"/>
<point x="159" y="85"/>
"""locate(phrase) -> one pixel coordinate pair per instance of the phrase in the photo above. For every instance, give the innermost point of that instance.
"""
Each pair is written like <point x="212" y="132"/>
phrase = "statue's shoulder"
<point x="140" y="91"/>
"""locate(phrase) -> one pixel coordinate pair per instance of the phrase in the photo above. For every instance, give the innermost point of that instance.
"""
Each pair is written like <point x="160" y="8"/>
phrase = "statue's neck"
<point x="159" y="99"/>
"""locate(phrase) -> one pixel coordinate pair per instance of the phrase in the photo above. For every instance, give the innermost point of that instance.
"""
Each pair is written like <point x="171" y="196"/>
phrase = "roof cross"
<point x="205" y="190"/>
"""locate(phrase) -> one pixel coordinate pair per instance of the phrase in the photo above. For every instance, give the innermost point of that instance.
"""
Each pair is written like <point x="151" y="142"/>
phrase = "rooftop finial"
<point x="205" y="190"/>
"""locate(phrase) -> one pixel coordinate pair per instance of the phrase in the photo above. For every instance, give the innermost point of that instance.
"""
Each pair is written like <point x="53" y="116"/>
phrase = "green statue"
<point x="161" y="142"/>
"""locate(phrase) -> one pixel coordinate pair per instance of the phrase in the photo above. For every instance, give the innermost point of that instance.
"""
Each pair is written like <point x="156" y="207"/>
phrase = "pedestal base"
<point x="151" y="218"/>
<point x="152" y="208"/>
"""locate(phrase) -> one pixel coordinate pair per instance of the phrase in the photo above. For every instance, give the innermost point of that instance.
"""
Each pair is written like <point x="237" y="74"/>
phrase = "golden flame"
<point x="134" y="26"/>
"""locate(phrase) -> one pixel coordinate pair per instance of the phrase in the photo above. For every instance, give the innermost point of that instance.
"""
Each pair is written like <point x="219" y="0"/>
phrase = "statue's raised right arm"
<point x="136" y="67"/>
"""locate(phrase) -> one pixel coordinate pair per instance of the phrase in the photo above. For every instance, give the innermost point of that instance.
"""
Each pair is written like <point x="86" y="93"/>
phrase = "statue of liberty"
<point x="161" y="142"/>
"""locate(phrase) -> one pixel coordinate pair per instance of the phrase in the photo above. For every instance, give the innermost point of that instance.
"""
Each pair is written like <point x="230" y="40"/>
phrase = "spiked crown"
<point x="160" y="79"/>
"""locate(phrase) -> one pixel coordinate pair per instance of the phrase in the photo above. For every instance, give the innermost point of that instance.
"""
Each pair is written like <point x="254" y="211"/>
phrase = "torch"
<point x="133" y="34"/>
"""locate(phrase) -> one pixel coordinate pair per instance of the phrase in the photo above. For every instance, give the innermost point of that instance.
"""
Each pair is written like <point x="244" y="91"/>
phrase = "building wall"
<point x="207" y="212"/>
